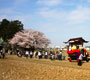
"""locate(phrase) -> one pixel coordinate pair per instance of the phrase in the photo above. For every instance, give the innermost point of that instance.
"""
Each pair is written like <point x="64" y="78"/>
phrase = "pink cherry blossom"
<point x="29" y="38"/>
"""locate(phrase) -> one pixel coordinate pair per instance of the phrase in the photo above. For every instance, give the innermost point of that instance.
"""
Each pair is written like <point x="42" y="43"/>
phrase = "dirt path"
<point x="14" y="68"/>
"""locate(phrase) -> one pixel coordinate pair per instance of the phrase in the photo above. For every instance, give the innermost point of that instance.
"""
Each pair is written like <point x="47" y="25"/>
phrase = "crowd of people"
<point x="42" y="54"/>
<point x="52" y="55"/>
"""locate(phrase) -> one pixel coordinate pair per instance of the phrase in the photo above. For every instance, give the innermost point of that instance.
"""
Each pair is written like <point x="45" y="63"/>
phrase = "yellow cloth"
<point x="74" y="47"/>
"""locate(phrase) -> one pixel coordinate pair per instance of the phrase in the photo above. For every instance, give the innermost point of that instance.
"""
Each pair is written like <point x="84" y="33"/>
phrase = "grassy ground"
<point x="15" y="68"/>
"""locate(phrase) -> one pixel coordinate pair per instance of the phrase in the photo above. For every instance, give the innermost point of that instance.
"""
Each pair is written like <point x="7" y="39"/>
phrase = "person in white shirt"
<point x="46" y="55"/>
<point x="39" y="55"/>
<point x="26" y="54"/>
<point x="31" y="54"/>
<point x="80" y="59"/>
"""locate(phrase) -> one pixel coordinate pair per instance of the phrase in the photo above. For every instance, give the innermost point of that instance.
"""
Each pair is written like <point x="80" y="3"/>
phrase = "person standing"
<point x="46" y="55"/>
<point x="3" y="53"/>
<point x="26" y="54"/>
<point x="39" y="55"/>
<point x="19" y="53"/>
<point x="34" y="53"/>
<point x="0" y="53"/>
<point x="80" y="59"/>
<point x="31" y="54"/>
<point x="60" y="55"/>
<point x="51" y="55"/>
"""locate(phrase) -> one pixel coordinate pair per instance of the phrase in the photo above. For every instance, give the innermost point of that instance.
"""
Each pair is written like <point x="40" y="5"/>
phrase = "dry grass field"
<point x="15" y="68"/>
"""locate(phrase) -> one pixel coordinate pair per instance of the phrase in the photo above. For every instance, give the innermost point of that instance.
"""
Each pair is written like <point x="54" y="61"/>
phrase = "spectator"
<point x="26" y="54"/>
<point x="39" y="55"/>
<point x="51" y="56"/>
<point x="31" y="54"/>
<point x="46" y="55"/>
<point x="34" y="54"/>
<point x="3" y="53"/>
<point x="0" y="53"/>
<point x="60" y="55"/>
<point x="56" y="55"/>
<point x="19" y="53"/>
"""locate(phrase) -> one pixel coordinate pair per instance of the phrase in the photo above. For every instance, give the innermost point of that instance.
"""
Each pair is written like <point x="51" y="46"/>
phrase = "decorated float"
<point x="75" y="47"/>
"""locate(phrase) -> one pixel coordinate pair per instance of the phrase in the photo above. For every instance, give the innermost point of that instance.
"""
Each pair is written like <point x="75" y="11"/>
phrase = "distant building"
<point x="57" y="48"/>
<point x="87" y="47"/>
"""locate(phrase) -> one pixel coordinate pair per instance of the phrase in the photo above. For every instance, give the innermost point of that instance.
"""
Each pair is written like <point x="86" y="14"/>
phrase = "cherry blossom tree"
<point x="30" y="38"/>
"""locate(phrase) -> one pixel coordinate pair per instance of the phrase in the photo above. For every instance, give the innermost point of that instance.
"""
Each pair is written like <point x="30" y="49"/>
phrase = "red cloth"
<point x="73" y="51"/>
<point x="85" y="50"/>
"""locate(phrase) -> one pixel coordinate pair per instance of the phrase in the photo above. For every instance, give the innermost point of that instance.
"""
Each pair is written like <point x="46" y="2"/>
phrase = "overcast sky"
<point x="59" y="20"/>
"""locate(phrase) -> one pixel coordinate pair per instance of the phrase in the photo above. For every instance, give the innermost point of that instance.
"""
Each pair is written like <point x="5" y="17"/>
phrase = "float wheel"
<point x="70" y="60"/>
<point x="87" y="60"/>
<point x="77" y="60"/>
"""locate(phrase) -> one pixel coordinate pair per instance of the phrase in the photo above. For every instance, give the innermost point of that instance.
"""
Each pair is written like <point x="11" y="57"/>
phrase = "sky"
<point x="59" y="20"/>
